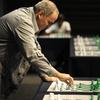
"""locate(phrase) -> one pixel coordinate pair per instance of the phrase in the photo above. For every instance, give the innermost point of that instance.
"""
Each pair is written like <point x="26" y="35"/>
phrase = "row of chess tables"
<point x="83" y="89"/>
<point x="83" y="57"/>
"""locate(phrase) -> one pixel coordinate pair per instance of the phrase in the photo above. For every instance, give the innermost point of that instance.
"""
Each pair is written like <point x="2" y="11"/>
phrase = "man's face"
<point x="44" y="21"/>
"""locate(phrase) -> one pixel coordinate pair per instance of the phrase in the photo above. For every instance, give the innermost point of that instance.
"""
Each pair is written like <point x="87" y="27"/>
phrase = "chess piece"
<point x="97" y="85"/>
<point x="80" y="85"/>
<point x="58" y="85"/>
<point x="91" y="98"/>
<point x="98" y="41"/>
<point x="58" y="97"/>
<point x="63" y="86"/>
<point x="51" y="96"/>
<point x="98" y="98"/>
<point x="92" y="86"/>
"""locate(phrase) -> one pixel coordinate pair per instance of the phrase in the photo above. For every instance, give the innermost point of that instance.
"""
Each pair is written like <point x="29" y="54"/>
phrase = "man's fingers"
<point x="69" y="80"/>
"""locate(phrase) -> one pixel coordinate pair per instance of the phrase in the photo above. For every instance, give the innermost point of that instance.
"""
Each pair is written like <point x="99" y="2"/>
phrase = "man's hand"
<point x="62" y="77"/>
<point x="66" y="78"/>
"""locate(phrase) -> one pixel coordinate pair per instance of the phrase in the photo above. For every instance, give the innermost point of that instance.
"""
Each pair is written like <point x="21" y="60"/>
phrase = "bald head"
<point x="47" y="6"/>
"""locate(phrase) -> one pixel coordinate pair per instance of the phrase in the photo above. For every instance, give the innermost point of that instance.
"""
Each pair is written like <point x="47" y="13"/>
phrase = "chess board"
<point x="87" y="46"/>
<point x="79" y="86"/>
<point x="83" y="89"/>
<point x="53" y="96"/>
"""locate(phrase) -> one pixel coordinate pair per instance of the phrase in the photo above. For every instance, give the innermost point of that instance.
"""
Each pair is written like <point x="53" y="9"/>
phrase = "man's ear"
<point x="41" y="13"/>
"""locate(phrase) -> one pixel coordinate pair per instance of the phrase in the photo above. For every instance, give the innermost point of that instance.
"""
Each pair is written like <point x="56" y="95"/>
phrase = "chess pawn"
<point x="92" y="86"/>
<point x="97" y="86"/>
<point x="98" y="98"/>
<point x="51" y="96"/>
<point x="98" y="81"/>
<point x="58" y="97"/>
<point x="80" y="85"/>
<point x="98" y="41"/>
<point x="63" y="86"/>
<point x="73" y="87"/>
<point x="58" y="85"/>
<point x="91" y="98"/>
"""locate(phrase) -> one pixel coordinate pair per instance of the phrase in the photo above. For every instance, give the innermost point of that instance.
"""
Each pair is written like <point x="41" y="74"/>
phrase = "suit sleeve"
<point x="25" y="38"/>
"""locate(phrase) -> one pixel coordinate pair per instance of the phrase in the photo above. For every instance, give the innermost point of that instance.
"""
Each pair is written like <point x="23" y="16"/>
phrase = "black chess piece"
<point x="98" y="98"/>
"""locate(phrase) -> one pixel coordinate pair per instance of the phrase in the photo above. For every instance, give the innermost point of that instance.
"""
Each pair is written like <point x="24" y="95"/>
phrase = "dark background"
<point x="84" y="15"/>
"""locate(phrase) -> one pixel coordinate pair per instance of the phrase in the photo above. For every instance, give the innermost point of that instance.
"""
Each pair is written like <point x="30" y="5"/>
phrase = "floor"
<point x="28" y="89"/>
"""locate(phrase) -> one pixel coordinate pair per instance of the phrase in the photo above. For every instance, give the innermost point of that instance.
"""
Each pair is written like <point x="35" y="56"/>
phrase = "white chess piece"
<point x="58" y="85"/>
<point x="51" y="96"/>
<point x="64" y="86"/>
<point x="59" y="97"/>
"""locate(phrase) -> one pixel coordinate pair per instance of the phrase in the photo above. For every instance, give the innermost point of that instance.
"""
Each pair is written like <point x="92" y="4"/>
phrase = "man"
<point x="18" y="45"/>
